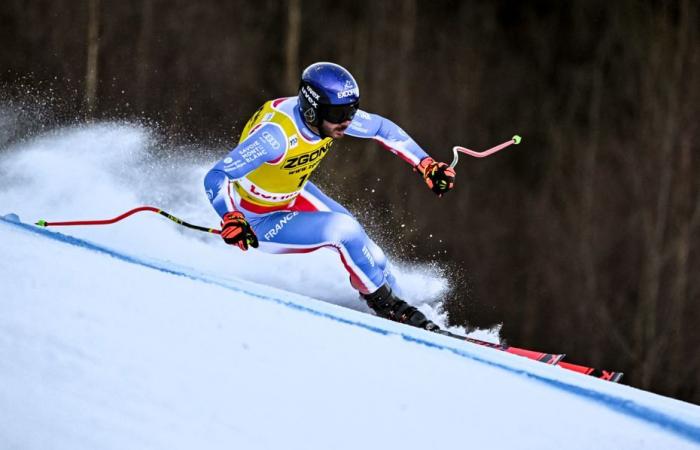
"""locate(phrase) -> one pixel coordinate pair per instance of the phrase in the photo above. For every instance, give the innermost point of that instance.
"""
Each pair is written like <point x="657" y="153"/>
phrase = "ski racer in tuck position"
<point x="262" y="192"/>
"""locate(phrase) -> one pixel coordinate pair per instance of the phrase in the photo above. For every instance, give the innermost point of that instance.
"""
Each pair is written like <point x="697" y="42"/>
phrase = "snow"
<point x="146" y="335"/>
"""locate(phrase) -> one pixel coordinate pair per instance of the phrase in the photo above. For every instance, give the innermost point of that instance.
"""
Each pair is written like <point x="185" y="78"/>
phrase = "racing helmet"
<point x="329" y="92"/>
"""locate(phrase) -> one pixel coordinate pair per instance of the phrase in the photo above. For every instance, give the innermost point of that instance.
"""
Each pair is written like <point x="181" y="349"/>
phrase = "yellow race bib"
<point x="275" y="184"/>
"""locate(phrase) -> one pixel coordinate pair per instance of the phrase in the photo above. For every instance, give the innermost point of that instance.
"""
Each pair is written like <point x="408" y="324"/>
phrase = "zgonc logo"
<point x="306" y="158"/>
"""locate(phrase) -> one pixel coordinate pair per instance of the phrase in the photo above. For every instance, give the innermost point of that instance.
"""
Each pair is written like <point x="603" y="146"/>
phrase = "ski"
<point x="607" y="375"/>
<point x="547" y="358"/>
<point x="554" y="359"/>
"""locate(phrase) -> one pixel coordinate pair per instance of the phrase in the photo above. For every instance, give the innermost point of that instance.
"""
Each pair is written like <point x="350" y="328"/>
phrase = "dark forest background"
<point x="583" y="240"/>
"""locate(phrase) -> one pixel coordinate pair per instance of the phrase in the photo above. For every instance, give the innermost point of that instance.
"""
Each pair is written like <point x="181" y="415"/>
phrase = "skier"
<point x="262" y="192"/>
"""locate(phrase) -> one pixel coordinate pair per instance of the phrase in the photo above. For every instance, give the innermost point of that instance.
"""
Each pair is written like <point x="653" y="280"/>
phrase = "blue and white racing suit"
<point x="266" y="178"/>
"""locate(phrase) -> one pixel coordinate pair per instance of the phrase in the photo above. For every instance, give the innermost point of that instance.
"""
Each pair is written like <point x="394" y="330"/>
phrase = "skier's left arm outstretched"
<point x="439" y="176"/>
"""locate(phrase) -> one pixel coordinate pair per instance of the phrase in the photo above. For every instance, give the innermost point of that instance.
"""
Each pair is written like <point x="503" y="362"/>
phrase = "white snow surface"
<point x="146" y="335"/>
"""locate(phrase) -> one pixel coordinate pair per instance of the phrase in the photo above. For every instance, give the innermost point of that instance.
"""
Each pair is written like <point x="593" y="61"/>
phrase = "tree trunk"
<point x="93" y="49"/>
<point x="407" y="33"/>
<point x="291" y="54"/>
<point x="143" y="55"/>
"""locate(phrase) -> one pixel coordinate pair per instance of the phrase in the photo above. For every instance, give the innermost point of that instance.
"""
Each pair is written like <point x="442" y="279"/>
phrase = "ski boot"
<point x="385" y="304"/>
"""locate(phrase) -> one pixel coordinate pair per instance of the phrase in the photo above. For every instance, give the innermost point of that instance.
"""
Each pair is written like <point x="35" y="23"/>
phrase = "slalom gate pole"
<point x="456" y="150"/>
<point x="44" y="223"/>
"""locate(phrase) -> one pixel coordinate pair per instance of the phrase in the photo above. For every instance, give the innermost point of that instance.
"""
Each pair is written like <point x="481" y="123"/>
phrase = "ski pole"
<point x="457" y="150"/>
<point x="44" y="223"/>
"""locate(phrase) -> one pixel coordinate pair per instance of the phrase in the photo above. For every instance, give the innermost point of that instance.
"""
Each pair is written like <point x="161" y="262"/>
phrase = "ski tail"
<point x="554" y="359"/>
<point x="607" y="375"/>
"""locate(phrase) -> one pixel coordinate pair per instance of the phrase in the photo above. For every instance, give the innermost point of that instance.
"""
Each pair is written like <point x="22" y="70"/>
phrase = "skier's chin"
<point x="335" y="131"/>
<point x="338" y="134"/>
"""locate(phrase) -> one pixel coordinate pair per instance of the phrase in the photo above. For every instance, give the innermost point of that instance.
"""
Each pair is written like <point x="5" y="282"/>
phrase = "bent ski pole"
<point x="44" y="223"/>
<point x="457" y="150"/>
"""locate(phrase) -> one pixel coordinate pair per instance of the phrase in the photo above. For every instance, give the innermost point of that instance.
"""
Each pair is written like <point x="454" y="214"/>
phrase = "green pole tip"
<point x="41" y="223"/>
<point x="517" y="139"/>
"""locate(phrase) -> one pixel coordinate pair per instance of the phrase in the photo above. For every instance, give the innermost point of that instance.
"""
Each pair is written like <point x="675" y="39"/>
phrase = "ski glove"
<point x="235" y="230"/>
<point x="439" y="176"/>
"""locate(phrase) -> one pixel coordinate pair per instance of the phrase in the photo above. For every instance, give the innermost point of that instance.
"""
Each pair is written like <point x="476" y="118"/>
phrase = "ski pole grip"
<point x="455" y="158"/>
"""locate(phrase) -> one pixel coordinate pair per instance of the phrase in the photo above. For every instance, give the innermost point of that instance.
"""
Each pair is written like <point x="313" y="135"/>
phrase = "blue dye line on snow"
<point x="625" y="406"/>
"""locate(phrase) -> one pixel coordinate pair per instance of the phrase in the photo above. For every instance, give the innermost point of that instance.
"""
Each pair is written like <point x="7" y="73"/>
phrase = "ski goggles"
<point x="339" y="113"/>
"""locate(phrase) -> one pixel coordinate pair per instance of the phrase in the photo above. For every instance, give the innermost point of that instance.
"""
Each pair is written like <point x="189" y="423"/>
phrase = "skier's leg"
<point x="385" y="299"/>
<point x="303" y="232"/>
<point x="313" y="199"/>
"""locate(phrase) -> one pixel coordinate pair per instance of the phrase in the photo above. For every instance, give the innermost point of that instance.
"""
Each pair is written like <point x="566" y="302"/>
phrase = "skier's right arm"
<point x="266" y="143"/>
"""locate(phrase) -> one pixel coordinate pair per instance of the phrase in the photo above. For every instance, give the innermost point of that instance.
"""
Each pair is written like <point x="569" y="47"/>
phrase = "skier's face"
<point x="335" y="130"/>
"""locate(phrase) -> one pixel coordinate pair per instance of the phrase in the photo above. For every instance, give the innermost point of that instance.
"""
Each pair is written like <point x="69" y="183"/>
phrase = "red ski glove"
<point x="439" y="176"/>
<point x="235" y="230"/>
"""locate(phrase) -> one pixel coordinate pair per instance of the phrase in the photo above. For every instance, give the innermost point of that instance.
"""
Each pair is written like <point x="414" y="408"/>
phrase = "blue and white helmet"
<point x="328" y="92"/>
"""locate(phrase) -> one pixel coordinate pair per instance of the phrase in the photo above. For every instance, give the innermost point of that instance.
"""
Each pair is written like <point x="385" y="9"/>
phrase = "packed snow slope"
<point x="146" y="335"/>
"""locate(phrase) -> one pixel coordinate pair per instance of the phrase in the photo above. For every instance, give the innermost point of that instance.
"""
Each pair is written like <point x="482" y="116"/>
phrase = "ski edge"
<point x="554" y="359"/>
<point x="547" y="358"/>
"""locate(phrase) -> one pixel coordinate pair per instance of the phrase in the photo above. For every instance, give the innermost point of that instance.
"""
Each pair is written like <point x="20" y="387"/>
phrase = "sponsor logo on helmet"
<point x="310" y="115"/>
<point x="348" y="90"/>
<point x="274" y="143"/>
<point x="310" y="96"/>
<point x="312" y="92"/>
<point x="348" y="93"/>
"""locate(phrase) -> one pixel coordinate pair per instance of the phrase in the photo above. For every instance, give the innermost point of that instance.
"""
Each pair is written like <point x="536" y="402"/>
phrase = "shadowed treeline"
<point x="583" y="240"/>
